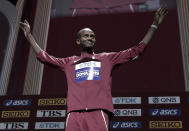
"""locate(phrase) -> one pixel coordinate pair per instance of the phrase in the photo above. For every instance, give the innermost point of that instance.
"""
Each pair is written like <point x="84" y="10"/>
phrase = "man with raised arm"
<point x="89" y="100"/>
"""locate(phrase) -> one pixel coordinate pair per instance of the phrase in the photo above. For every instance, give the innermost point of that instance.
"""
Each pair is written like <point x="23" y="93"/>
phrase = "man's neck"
<point x="88" y="51"/>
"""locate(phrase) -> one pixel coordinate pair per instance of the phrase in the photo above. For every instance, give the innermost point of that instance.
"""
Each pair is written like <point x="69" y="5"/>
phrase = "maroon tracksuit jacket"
<point x="89" y="76"/>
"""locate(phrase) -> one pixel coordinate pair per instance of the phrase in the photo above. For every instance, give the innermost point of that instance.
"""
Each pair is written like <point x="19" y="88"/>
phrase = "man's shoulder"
<point x="104" y="54"/>
<point x="72" y="57"/>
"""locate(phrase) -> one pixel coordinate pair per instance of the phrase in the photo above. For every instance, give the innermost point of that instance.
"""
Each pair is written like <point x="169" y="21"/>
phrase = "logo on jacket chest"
<point x="87" y="71"/>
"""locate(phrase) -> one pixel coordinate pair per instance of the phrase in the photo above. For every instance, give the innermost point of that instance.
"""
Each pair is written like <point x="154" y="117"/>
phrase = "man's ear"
<point x="78" y="41"/>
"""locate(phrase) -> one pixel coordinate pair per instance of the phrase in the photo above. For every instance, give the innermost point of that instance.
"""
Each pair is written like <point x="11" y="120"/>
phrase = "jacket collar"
<point x="87" y="55"/>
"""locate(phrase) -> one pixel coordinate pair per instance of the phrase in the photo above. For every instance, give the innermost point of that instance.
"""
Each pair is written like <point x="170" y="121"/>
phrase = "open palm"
<point x="160" y="15"/>
<point x="25" y="27"/>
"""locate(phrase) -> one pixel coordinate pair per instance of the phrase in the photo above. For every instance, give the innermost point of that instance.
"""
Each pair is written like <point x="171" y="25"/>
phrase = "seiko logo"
<point x="126" y="100"/>
<point x="49" y="125"/>
<point x="15" y="114"/>
<point x="126" y="124"/>
<point x="55" y="101"/>
<point x="51" y="113"/>
<point x="14" y="126"/>
<point x="165" y="112"/>
<point x="17" y="102"/>
<point x="127" y="112"/>
<point x="164" y="100"/>
<point x="165" y="124"/>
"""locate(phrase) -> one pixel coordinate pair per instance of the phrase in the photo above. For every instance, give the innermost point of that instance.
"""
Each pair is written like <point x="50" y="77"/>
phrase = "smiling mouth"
<point x="89" y="42"/>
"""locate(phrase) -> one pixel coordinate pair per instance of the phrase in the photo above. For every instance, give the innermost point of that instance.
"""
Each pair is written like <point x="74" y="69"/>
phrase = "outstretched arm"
<point x="27" y="32"/>
<point x="158" y="19"/>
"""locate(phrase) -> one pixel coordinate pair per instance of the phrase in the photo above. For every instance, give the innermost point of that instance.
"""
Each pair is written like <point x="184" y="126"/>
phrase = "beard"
<point x="87" y="48"/>
<point x="87" y="45"/>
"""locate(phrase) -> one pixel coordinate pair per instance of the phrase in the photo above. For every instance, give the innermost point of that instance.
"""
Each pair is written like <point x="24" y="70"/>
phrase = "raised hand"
<point x="160" y="15"/>
<point x="27" y="32"/>
<point x="25" y="27"/>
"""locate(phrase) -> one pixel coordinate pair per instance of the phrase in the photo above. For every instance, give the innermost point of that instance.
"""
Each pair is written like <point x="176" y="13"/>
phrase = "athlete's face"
<point x="86" y="39"/>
